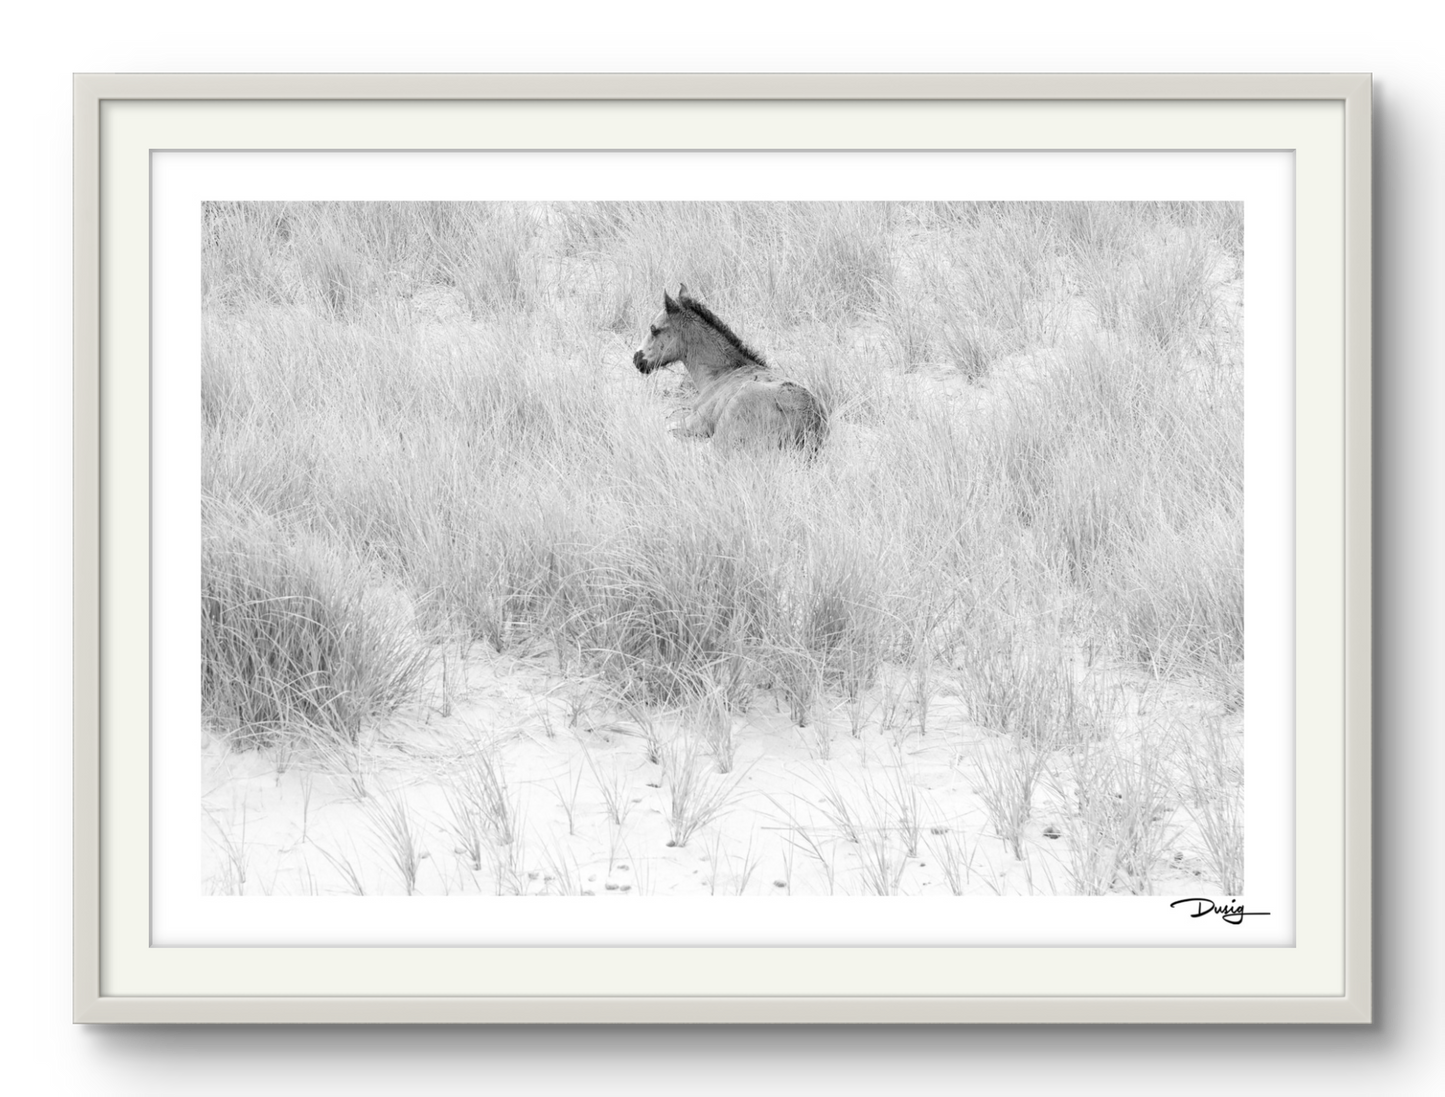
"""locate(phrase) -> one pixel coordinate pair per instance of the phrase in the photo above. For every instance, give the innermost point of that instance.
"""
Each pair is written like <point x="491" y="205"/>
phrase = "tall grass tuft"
<point x="295" y="632"/>
<point x="694" y="797"/>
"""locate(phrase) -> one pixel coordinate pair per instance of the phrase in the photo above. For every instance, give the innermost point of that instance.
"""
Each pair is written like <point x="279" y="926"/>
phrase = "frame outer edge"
<point x="726" y="85"/>
<point x="84" y="545"/>
<point x="1358" y="685"/>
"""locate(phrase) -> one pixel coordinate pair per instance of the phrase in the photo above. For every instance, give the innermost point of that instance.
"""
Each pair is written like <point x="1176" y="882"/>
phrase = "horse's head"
<point x="664" y="344"/>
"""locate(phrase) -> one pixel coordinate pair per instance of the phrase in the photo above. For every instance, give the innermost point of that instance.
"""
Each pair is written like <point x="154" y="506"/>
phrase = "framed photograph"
<point x="725" y="548"/>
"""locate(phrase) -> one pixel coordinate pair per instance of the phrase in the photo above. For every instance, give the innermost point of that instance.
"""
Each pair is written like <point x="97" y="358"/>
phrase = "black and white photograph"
<point x="656" y="549"/>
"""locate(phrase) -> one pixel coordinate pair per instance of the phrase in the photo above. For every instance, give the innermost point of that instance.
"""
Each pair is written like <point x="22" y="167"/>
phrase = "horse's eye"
<point x="656" y="331"/>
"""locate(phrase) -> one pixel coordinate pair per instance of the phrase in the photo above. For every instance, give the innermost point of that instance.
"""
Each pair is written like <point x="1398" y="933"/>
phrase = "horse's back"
<point x="773" y="412"/>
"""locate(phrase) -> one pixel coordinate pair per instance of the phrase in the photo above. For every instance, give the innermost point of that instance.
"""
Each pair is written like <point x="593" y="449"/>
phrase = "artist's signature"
<point x="1233" y="913"/>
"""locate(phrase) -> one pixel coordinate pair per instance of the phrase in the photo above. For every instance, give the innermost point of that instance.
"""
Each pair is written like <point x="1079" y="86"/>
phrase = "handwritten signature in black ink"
<point x="1233" y="913"/>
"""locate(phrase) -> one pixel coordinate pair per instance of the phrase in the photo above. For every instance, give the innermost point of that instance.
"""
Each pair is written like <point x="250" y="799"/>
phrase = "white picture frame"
<point x="120" y="120"/>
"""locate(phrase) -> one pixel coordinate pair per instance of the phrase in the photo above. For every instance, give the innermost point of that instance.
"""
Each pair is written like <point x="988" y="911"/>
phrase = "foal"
<point x="740" y="400"/>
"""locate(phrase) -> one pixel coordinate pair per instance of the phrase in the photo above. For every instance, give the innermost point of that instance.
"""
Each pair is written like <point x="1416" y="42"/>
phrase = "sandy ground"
<point x="810" y="810"/>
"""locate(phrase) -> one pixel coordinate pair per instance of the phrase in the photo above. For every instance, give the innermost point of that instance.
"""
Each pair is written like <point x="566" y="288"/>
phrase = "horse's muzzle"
<point x="642" y="364"/>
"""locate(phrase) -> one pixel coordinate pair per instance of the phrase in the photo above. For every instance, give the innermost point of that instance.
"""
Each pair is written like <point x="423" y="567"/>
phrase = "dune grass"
<point x="421" y="424"/>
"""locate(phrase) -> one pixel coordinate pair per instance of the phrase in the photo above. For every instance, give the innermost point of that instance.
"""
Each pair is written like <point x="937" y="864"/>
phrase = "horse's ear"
<point x="668" y="303"/>
<point x="682" y="290"/>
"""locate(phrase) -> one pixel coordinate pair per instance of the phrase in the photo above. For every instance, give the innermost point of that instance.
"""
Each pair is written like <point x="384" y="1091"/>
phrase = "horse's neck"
<point x="711" y="361"/>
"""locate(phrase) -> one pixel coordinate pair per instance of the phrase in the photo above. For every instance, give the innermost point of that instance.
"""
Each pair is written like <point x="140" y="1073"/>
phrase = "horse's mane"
<point x="710" y="318"/>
